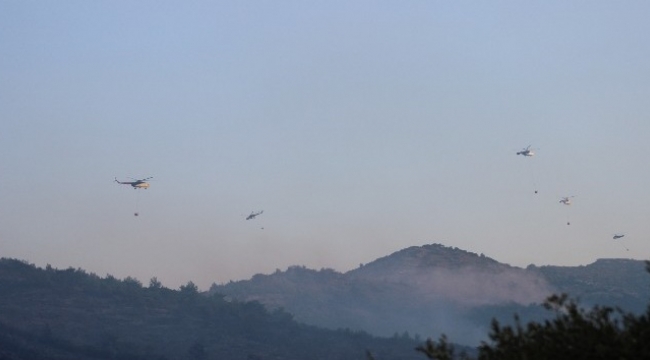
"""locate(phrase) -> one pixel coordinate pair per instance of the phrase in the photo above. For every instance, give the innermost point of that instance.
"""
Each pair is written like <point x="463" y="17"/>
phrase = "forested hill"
<point x="615" y="282"/>
<point x="426" y="290"/>
<point x="70" y="314"/>
<point x="434" y="289"/>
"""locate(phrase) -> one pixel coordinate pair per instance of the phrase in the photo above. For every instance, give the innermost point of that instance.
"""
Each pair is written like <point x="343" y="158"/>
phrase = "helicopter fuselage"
<point x="135" y="184"/>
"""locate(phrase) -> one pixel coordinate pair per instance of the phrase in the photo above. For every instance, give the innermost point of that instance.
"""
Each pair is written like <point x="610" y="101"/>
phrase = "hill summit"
<point x="439" y="272"/>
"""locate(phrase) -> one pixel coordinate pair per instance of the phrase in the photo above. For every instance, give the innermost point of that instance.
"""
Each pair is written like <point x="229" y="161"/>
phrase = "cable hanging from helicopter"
<point x="528" y="152"/>
<point x="136" y="184"/>
<point x="619" y="236"/>
<point x="567" y="202"/>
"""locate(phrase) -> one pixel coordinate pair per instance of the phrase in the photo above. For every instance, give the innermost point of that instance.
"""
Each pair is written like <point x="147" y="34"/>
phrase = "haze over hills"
<point x="437" y="273"/>
<point x="412" y="294"/>
<point x="435" y="289"/>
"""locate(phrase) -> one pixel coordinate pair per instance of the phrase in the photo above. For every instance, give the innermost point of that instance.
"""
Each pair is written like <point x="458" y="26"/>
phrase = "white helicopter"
<point x="566" y="200"/>
<point x="527" y="151"/>
<point x="254" y="214"/>
<point x="137" y="183"/>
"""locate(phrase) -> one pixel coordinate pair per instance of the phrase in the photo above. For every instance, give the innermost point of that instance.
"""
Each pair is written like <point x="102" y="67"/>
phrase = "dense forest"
<point x="71" y="314"/>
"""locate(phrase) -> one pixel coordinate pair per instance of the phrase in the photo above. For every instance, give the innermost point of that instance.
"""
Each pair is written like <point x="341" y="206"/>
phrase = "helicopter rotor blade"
<point x="145" y="179"/>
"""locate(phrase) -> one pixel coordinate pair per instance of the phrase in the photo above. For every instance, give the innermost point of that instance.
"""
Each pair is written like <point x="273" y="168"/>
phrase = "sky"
<point x="359" y="127"/>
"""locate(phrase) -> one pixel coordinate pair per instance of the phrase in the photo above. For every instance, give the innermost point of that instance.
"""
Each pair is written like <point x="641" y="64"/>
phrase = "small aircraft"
<point x="618" y="236"/>
<point x="254" y="214"/>
<point x="136" y="184"/>
<point x="566" y="200"/>
<point x="526" y="151"/>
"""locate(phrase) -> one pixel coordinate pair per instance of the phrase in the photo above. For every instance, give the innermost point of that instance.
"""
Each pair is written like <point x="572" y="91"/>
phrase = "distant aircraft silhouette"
<point x="254" y="214"/>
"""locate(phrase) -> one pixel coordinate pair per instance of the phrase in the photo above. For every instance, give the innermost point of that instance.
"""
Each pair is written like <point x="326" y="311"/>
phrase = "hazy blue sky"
<point x="359" y="127"/>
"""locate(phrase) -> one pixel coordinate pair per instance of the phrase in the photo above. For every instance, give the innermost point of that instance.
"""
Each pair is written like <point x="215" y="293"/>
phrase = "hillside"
<point x="620" y="282"/>
<point x="70" y="314"/>
<point x="433" y="289"/>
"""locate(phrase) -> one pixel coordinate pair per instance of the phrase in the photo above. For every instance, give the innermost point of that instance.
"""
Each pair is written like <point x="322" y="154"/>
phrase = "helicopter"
<point x="618" y="236"/>
<point x="526" y="151"/>
<point x="136" y="184"/>
<point x="254" y="214"/>
<point x="566" y="200"/>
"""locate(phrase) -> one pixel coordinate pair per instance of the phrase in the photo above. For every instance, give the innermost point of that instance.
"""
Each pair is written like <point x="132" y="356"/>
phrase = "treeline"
<point x="71" y="314"/>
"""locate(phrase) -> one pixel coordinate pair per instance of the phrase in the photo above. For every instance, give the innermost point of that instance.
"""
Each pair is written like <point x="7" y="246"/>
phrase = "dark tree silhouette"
<point x="575" y="333"/>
